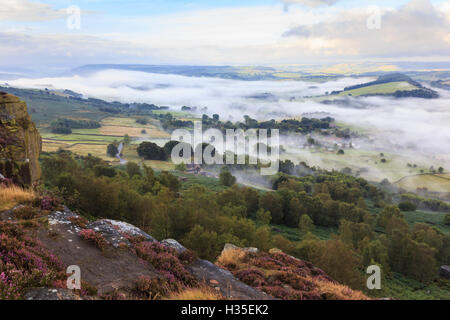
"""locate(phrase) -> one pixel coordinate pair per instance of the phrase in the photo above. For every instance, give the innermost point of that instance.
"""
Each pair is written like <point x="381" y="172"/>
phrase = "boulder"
<point x="230" y="246"/>
<point x="224" y="282"/>
<point x="174" y="244"/>
<point x="114" y="231"/>
<point x="445" y="271"/>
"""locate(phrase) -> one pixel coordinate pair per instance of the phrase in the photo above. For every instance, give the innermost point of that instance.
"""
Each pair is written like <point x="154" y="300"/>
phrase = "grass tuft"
<point x="13" y="195"/>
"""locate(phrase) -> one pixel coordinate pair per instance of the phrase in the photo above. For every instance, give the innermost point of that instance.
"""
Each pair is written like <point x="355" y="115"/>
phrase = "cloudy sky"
<point x="44" y="34"/>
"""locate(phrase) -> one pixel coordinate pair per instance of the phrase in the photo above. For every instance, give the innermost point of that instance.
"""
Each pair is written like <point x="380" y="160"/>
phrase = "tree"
<point x="226" y="178"/>
<point x="341" y="152"/>
<point x="263" y="238"/>
<point x="263" y="217"/>
<point x="441" y="170"/>
<point x="204" y="242"/>
<point x="293" y="213"/>
<point x="272" y="202"/>
<point x="112" y="150"/>
<point x="251" y="197"/>
<point x="151" y="151"/>
<point x="306" y="224"/>
<point x="339" y="261"/>
<point x="133" y="169"/>
<point x="126" y="139"/>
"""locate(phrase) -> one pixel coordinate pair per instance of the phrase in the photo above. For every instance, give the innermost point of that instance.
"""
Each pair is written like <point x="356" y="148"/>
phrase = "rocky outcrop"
<point x="20" y="142"/>
<point x="445" y="271"/>
<point x="47" y="294"/>
<point x="283" y="276"/>
<point x="116" y="268"/>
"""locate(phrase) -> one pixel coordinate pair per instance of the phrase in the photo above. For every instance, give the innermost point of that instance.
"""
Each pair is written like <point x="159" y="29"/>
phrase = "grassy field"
<point x="433" y="182"/>
<point x="209" y="183"/>
<point x="113" y="129"/>
<point x="384" y="88"/>
<point x="394" y="169"/>
<point x="130" y="154"/>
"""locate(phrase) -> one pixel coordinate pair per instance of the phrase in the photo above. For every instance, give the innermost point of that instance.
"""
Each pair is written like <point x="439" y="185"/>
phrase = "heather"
<point x="24" y="262"/>
<point x="285" y="277"/>
<point x="94" y="237"/>
<point x="167" y="261"/>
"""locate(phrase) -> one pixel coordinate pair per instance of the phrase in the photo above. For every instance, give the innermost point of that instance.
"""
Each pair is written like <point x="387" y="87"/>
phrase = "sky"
<point x="47" y="35"/>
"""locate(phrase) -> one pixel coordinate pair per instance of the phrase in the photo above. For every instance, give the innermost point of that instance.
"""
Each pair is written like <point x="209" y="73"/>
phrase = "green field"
<point x="395" y="168"/>
<point x="384" y="88"/>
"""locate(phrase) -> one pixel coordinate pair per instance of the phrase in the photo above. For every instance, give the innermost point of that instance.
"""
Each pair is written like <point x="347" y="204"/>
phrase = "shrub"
<point x="24" y="263"/>
<point x="94" y="237"/>
<point x="152" y="288"/>
<point x="407" y="206"/>
<point x="49" y="203"/>
<point x="252" y="277"/>
<point x="79" y="221"/>
<point x="226" y="178"/>
<point x="166" y="261"/>
<point x="26" y="213"/>
<point x="447" y="219"/>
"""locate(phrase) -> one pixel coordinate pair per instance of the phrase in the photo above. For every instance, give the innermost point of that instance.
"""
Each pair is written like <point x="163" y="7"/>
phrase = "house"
<point x="193" y="168"/>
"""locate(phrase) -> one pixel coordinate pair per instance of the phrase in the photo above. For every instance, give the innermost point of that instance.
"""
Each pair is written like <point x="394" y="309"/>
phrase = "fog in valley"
<point x="409" y="126"/>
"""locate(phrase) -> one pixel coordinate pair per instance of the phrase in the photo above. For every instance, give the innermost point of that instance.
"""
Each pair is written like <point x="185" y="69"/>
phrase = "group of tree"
<point x="305" y="125"/>
<point x="204" y="220"/>
<point x="65" y="126"/>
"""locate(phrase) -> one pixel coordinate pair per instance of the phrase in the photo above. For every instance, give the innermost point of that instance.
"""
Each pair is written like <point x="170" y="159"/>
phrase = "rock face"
<point x="20" y="142"/>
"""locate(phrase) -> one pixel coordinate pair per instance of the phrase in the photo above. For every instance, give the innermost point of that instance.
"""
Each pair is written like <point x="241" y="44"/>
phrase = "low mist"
<point x="407" y="125"/>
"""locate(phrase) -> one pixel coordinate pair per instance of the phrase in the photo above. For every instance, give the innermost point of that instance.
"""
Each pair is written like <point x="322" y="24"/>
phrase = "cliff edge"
<point x="20" y="142"/>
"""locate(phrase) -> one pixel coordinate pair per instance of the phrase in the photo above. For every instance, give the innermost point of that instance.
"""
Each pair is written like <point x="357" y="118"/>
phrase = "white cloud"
<point x="25" y="10"/>
<point x="241" y="35"/>
<point x="417" y="28"/>
<point x="311" y="3"/>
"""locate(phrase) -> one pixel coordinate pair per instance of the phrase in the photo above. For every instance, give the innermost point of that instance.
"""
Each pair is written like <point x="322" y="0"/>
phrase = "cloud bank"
<point x="404" y="125"/>
<point x="418" y="27"/>
<point x="311" y="3"/>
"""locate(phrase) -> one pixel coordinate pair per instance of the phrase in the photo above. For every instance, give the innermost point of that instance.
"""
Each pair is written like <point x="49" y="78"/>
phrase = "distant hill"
<point x="441" y="84"/>
<point x="394" y="84"/>
<point x="225" y="72"/>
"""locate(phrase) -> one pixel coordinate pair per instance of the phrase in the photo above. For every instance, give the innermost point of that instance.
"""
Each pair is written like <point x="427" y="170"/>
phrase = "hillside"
<point x="396" y="84"/>
<point x="41" y="238"/>
<point x="120" y="261"/>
